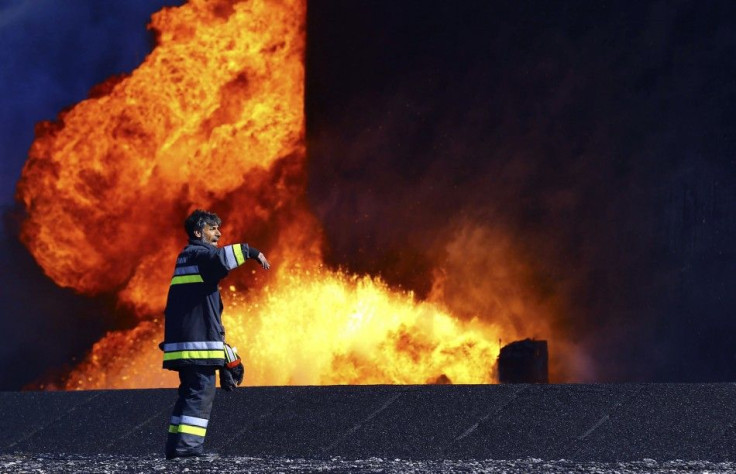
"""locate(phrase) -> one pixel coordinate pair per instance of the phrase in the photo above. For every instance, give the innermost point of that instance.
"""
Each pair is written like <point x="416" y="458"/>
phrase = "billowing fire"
<point x="214" y="119"/>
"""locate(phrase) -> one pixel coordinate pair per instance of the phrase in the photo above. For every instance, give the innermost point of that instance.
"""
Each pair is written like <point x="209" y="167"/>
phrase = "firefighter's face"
<point x="210" y="234"/>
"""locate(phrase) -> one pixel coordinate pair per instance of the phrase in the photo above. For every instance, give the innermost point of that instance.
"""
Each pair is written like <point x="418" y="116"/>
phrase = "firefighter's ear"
<point x="198" y="234"/>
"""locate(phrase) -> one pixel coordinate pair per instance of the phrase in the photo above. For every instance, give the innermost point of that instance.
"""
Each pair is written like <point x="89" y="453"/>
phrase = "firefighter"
<point x="194" y="337"/>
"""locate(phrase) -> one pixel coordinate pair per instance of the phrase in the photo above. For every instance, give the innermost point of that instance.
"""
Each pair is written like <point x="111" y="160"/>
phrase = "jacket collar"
<point x="199" y="243"/>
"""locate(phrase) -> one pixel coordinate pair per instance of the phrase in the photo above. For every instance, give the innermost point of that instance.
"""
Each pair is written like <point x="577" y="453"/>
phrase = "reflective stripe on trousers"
<point x="189" y="420"/>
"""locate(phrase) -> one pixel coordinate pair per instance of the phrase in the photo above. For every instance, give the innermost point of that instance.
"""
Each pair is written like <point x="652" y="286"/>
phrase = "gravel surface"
<point x="53" y="463"/>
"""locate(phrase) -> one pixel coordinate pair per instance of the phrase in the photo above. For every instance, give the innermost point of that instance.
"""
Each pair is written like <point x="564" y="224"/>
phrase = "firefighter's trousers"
<point x="191" y="413"/>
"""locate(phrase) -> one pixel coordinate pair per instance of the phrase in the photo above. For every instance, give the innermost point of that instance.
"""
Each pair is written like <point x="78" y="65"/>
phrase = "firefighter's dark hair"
<point x="198" y="219"/>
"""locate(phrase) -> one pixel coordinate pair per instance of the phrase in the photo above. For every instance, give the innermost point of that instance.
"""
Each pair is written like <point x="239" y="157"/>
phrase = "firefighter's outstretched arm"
<point x="232" y="256"/>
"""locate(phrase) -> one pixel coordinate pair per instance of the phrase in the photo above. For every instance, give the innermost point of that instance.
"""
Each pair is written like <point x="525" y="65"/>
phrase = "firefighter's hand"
<point x="227" y="382"/>
<point x="264" y="262"/>
<point x="237" y="373"/>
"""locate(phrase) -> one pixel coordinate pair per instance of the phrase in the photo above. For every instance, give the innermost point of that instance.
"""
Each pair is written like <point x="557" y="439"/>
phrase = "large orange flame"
<point x="213" y="118"/>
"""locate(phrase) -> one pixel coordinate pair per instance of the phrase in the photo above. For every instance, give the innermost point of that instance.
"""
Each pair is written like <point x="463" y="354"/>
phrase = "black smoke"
<point x="600" y="136"/>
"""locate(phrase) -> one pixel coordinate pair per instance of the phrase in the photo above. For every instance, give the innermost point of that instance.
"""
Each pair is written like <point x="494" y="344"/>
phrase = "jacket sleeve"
<point x="216" y="263"/>
<point x="232" y="256"/>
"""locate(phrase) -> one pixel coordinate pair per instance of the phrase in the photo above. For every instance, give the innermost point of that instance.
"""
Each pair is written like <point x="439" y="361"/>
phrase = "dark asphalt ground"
<point x="515" y="429"/>
<point x="105" y="463"/>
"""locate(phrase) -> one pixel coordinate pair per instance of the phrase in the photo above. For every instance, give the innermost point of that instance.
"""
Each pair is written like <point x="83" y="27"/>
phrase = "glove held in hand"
<point x="231" y="375"/>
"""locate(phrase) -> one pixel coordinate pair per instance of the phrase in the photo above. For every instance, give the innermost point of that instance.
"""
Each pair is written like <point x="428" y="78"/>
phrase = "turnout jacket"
<point x="193" y="331"/>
